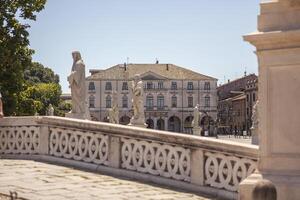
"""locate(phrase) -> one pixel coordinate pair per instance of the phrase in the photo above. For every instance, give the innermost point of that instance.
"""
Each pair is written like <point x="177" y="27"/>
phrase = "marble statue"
<point x="254" y="117"/>
<point x="113" y="112"/>
<point x="77" y="84"/>
<point x="255" y="121"/>
<point x="1" y="107"/>
<point x="50" y="111"/>
<point x="138" y="118"/>
<point x="195" y="123"/>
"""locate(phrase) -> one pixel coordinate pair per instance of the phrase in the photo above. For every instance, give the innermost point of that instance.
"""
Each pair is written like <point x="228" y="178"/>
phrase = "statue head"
<point x="76" y="56"/>
<point x="136" y="77"/>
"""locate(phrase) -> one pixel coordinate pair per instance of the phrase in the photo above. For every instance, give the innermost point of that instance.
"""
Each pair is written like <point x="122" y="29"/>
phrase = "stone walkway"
<point x="35" y="180"/>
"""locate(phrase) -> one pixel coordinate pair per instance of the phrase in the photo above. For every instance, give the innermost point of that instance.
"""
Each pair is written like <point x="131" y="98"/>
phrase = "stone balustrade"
<point x="184" y="161"/>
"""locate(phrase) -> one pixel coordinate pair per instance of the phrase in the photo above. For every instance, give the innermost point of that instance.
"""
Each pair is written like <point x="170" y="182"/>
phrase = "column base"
<point x="138" y="122"/>
<point x="197" y="131"/>
<point x="287" y="186"/>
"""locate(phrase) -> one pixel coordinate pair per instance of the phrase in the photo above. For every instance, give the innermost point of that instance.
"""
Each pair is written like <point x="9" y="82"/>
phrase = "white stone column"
<point x="277" y="45"/>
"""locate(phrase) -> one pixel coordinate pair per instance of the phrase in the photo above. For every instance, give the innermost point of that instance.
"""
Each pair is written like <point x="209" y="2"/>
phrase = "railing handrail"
<point x="228" y="147"/>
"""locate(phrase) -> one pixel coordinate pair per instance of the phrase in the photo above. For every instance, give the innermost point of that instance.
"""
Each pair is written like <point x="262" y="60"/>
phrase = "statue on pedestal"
<point x="138" y="118"/>
<point x="113" y="112"/>
<point x="77" y="85"/>
<point x="255" y="121"/>
<point x="195" y="123"/>
<point x="50" y="111"/>
<point x="1" y="107"/>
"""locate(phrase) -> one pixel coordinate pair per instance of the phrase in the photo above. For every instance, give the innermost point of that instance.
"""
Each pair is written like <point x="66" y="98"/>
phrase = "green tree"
<point x="37" y="73"/>
<point x="15" y="54"/>
<point x="36" y="98"/>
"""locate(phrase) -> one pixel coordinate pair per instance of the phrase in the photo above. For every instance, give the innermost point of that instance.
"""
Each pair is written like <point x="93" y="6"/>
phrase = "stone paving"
<point x="35" y="180"/>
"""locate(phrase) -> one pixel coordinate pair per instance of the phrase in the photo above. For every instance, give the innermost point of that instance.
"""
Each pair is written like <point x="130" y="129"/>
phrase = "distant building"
<point x="171" y="93"/>
<point x="236" y="99"/>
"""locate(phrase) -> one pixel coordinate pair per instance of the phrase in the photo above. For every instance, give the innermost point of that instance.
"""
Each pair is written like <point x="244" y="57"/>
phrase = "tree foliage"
<point x="15" y="54"/>
<point x="37" y="73"/>
<point x="36" y="98"/>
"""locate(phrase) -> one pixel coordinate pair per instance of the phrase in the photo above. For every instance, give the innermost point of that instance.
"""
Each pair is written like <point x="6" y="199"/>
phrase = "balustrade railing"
<point x="191" y="160"/>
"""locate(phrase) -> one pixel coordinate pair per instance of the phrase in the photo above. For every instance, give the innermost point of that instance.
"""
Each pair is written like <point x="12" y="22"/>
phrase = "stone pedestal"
<point x="76" y="115"/>
<point x="197" y="131"/>
<point x="277" y="45"/>
<point x="139" y="123"/>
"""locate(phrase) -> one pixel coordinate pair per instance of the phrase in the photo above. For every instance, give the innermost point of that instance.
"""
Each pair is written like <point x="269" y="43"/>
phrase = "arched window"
<point x="92" y="86"/>
<point x="149" y="102"/>
<point x="160" y="102"/>
<point x="174" y="85"/>
<point x="174" y="101"/>
<point x="92" y="101"/>
<point x="108" y="86"/>
<point x="125" y="101"/>
<point x="207" y="86"/>
<point x="125" y="86"/>
<point x="160" y="85"/>
<point x="190" y="86"/>
<point x="108" y="101"/>
<point x="150" y="85"/>
<point x="190" y="102"/>
<point x="207" y="101"/>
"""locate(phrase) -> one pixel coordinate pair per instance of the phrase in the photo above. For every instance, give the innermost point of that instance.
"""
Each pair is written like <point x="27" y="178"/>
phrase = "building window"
<point x="207" y="101"/>
<point x="190" y="102"/>
<point x="108" y="86"/>
<point x="108" y="101"/>
<point x="207" y="86"/>
<point x="92" y="102"/>
<point x="190" y="86"/>
<point x="149" y="85"/>
<point x="149" y="102"/>
<point x="160" y="85"/>
<point x="253" y="97"/>
<point x="160" y="102"/>
<point x="247" y="97"/>
<point x="125" y="86"/>
<point x="92" y="86"/>
<point x="174" y="101"/>
<point x="125" y="101"/>
<point x="173" y="86"/>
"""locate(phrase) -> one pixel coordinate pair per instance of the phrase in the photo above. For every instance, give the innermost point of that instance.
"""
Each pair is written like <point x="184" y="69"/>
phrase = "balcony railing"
<point x="204" y="164"/>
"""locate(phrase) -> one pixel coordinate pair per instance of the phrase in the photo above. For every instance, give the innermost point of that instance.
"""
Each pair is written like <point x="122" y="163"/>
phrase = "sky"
<point x="202" y="35"/>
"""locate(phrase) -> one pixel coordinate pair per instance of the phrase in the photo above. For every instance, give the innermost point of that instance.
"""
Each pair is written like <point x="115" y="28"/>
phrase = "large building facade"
<point x="236" y="100"/>
<point x="170" y="94"/>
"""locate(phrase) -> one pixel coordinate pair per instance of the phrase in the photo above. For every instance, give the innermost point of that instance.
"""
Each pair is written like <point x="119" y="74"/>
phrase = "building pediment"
<point x="152" y="76"/>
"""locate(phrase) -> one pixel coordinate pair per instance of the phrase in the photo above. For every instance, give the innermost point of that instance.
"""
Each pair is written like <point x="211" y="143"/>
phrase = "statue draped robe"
<point x="77" y="85"/>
